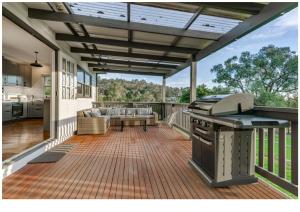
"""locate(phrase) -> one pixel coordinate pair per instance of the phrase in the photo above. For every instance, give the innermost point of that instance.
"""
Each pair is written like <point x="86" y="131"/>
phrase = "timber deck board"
<point x="132" y="164"/>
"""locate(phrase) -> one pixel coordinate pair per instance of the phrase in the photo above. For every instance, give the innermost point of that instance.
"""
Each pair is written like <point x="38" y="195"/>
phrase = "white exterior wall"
<point x="68" y="108"/>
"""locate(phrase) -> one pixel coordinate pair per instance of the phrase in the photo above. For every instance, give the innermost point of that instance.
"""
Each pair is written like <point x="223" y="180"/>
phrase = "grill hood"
<point x="219" y="105"/>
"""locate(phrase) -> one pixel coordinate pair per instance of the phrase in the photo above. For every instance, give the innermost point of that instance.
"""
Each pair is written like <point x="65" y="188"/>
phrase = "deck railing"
<point x="276" y="149"/>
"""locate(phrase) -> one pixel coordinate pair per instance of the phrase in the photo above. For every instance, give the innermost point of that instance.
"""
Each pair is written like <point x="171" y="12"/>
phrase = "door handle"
<point x="205" y="141"/>
<point x="201" y="131"/>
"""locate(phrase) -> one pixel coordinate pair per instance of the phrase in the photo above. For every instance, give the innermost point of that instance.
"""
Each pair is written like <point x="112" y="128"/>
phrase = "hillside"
<point x="133" y="91"/>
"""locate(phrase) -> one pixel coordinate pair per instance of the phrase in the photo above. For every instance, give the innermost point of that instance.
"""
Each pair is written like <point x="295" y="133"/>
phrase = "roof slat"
<point x="110" y="23"/>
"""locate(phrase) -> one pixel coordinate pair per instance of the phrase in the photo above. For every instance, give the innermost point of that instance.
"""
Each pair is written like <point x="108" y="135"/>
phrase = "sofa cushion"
<point x="95" y="112"/>
<point x="122" y="111"/>
<point x="130" y="111"/>
<point x="103" y="110"/>
<point x="144" y="111"/>
<point x="87" y="113"/>
<point x="113" y="111"/>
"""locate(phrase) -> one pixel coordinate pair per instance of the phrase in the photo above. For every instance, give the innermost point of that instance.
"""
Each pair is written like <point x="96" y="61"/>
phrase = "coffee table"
<point x="134" y="118"/>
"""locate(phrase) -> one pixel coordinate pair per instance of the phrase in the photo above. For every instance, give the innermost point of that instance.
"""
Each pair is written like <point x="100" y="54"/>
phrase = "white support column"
<point x="193" y="81"/>
<point x="163" y="90"/>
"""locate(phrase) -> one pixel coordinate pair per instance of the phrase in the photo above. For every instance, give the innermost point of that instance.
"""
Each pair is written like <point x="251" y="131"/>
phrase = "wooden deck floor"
<point x="131" y="164"/>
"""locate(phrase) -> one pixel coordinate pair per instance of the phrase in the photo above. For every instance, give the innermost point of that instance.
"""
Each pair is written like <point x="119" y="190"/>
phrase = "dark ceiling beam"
<point x="249" y="8"/>
<point x="69" y="26"/>
<point x="111" y="23"/>
<point x="123" y="62"/>
<point x="128" y="55"/>
<point x="140" y="69"/>
<point x="120" y="43"/>
<point x="128" y="20"/>
<point x="127" y="72"/>
<point x="269" y="13"/>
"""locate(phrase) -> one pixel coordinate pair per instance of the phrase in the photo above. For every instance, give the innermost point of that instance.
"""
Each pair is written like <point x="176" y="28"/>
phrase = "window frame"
<point x="68" y="76"/>
<point x="45" y="85"/>
<point x="84" y="86"/>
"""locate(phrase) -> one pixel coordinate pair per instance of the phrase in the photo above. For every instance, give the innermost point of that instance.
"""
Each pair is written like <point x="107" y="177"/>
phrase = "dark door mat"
<point x="48" y="157"/>
<point x="53" y="155"/>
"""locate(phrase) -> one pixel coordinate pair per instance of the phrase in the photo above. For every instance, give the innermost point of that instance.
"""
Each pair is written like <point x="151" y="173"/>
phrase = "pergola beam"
<point x="104" y="70"/>
<point x="138" y="69"/>
<point x="122" y="62"/>
<point x="117" y="24"/>
<point x="269" y="13"/>
<point x="128" y="55"/>
<point x="120" y="43"/>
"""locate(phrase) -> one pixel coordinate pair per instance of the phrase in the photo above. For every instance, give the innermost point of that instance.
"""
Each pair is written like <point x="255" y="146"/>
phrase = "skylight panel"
<point x="214" y="24"/>
<point x="158" y="16"/>
<point x="108" y="10"/>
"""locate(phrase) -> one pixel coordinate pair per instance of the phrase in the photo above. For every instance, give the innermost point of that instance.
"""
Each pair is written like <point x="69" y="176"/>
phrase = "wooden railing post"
<point x="281" y="152"/>
<point x="271" y="137"/>
<point x="261" y="138"/>
<point x="294" y="152"/>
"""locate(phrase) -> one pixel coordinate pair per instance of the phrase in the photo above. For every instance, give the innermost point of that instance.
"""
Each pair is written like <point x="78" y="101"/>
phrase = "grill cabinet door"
<point x="203" y="149"/>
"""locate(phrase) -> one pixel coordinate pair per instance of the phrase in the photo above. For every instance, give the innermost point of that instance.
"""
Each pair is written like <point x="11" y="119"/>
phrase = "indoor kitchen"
<point x="26" y="90"/>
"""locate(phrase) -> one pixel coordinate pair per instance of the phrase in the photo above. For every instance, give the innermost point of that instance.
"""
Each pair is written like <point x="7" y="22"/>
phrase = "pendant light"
<point x="36" y="64"/>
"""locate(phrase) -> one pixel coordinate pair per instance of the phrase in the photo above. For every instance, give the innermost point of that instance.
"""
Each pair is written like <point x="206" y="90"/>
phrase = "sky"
<point x="281" y="32"/>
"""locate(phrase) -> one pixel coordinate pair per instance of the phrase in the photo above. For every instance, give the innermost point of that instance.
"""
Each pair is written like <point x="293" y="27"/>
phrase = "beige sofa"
<point x="92" y="125"/>
<point x="98" y="120"/>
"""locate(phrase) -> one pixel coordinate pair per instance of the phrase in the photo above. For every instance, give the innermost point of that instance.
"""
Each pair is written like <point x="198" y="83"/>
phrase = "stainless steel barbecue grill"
<point x="223" y="138"/>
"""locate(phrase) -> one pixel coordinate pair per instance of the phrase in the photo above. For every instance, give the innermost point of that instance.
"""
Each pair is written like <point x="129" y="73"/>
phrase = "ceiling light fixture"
<point x="36" y="64"/>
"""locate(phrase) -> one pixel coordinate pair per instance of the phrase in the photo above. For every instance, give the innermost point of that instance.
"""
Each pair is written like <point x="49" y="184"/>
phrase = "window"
<point x="68" y="73"/>
<point x="47" y="86"/>
<point x="84" y="83"/>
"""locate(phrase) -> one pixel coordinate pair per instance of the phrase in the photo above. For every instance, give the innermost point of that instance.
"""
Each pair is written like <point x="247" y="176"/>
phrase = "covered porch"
<point x="134" y="164"/>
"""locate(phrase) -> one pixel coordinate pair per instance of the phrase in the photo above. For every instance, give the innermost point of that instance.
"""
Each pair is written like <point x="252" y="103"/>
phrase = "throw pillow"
<point x="113" y="111"/>
<point x="103" y="110"/>
<point x="123" y="111"/>
<point x="144" y="111"/>
<point x="95" y="112"/>
<point x="87" y="113"/>
<point x="130" y="111"/>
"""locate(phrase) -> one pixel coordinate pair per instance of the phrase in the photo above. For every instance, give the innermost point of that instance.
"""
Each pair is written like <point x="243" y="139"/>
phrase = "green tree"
<point x="185" y="96"/>
<point x="202" y="90"/>
<point x="272" y="73"/>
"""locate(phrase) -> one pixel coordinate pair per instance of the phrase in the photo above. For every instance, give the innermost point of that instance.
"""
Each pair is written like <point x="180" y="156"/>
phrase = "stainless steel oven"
<point x="17" y="109"/>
